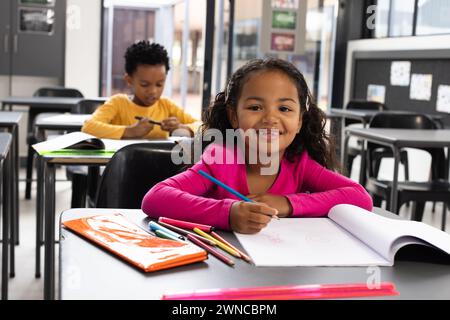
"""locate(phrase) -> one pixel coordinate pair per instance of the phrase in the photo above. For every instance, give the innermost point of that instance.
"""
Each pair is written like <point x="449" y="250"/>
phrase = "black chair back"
<point x="363" y="105"/>
<point x="58" y="92"/>
<point x="86" y="106"/>
<point x="407" y="120"/>
<point x="132" y="171"/>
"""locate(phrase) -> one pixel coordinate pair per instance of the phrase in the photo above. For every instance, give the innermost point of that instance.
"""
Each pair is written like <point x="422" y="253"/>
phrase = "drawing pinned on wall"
<point x="282" y="42"/>
<point x="284" y="20"/>
<point x="421" y="86"/>
<point x="443" y="99"/>
<point x="400" y="73"/>
<point x="376" y="93"/>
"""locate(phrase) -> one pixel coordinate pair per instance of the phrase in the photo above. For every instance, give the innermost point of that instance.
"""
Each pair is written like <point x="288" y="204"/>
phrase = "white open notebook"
<point x="91" y="142"/>
<point x="350" y="236"/>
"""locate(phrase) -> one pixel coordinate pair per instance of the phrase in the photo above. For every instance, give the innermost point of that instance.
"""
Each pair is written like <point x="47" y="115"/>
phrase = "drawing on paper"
<point x="443" y="99"/>
<point x="376" y="93"/>
<point x="421" y="85"/>
<point x="400" y="73"/>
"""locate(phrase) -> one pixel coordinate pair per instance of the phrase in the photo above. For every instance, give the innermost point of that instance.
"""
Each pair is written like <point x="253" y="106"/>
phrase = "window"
<point x="433" y="17"/>
<point x="316" y="63"/>
<point x="382" y="19"/>
<point x="402" y="17"/>
<point x="397" y="18"/>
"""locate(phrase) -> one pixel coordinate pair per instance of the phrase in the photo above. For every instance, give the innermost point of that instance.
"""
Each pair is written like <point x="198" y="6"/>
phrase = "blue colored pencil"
<point x="237" y="194"/>
<point x="155" y="226"/>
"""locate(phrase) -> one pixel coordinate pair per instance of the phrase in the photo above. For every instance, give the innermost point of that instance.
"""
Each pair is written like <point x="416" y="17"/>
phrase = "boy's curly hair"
<point x="144" y="52"/>
<point x="312" y="137"/>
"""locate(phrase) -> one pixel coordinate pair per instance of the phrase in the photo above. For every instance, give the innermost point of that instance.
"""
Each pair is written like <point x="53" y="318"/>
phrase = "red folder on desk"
<point x="120" y="236"/>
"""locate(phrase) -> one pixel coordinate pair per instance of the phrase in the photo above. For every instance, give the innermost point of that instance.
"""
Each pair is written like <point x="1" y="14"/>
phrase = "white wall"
<point x="83" y="41"/>
<point x="391" y="44"/>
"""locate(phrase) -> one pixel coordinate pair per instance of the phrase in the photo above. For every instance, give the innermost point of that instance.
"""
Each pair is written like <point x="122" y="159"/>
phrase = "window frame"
<point x="414" y="24"/>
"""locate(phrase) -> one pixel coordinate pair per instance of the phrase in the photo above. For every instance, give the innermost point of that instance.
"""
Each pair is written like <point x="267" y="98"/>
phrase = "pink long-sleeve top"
<point x="311" y="189"/>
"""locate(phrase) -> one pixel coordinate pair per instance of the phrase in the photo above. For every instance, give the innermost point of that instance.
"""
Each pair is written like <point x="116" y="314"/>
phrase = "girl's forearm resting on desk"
<point x="311" y="190"/>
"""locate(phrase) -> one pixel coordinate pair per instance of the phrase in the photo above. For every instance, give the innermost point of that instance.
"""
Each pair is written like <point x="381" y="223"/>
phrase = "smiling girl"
<point x="271" y="98"/>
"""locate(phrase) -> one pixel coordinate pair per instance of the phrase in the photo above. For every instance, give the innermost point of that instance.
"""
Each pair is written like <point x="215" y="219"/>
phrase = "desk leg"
<point x="49" y="229"/>
<point x="39" y="215"/>
<point x="5" y="231"/>
<point x="30" y="153"/>
<point x="344" y="142"/>
<point x="15" y="191"/>
<point x="10" y="186"/>
<point x="394" y="194"/>
<point x="345" y="155"/>
<point x="362" y="170"/>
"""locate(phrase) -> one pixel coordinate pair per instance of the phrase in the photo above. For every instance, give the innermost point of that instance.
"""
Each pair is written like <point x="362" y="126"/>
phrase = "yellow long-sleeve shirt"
<point x="110" y="120"/>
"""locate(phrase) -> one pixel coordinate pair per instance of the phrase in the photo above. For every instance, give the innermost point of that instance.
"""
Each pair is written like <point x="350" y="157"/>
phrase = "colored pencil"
<point x="185" y="233"/>
<point x="185" y="224"/>
<point x="221" y="184"/>
<point x="329" y="291"/>
<point x="243" y="255"/>
<point x="211" y="250"/>
<point x="149" y="120"/>
<point x="229" y="189"/>
<point x="165" y="235"/>
<point x="155" y="226"/>
<point x="221" y="245"/>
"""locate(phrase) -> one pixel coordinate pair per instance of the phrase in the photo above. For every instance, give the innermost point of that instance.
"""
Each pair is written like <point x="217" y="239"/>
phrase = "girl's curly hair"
<point x="312" y="137"/>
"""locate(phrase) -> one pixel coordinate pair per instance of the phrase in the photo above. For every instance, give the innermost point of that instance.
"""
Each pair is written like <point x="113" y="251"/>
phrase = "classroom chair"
<point x="354" y="149"/>
<point x="437" y="189"/>
<point x="84" y="179"/>
<point x="133" y="171"/>
<point x="32" y="137"/>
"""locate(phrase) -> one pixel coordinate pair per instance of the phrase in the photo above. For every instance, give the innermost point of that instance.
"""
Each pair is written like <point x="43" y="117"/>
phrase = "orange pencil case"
<point x="125" y="239"/>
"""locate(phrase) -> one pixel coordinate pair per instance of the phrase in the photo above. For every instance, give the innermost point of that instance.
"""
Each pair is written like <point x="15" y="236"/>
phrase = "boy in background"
<point x="146" y="65"/>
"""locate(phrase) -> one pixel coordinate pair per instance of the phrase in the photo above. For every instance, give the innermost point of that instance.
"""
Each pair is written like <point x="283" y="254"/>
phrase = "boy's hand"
<point x="138" y="130"/>
<point x="170" y="124"/>
<point x="280" y="203"/>
<point x="250" y="218"/>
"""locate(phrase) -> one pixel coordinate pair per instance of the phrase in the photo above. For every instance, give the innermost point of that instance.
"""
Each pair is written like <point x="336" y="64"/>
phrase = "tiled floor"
<point x="26" y="286"/>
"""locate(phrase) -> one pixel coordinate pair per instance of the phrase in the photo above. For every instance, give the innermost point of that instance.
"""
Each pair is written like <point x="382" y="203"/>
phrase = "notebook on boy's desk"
<point x="350" y="236"/>
<point x="82" y="142"/>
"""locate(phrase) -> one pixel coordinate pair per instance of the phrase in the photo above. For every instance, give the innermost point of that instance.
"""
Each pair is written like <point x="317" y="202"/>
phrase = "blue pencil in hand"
<point x="237" y="194"/>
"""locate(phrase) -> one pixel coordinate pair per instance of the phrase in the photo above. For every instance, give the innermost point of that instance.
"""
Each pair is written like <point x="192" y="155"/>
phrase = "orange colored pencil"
<point x="243" y="255"/>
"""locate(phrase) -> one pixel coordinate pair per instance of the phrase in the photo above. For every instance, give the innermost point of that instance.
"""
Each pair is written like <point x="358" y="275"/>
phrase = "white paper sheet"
<point x="61" y="142"/>
<point x="421" y="86"/>
<point x="443" y="99"/>
<point x="64" y="141"/>
<point x="351" y="236"/>
<point x="376" y="93"/>
<point x="400" y="73"/>
<point x="307" y="242"/>
<point x="69" y="119"/>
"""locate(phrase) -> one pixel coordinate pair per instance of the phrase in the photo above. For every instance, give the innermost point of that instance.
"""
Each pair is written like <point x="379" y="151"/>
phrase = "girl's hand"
<point x="250" y="218"/>
<point x="280" y="203"/>
<point x="138" y="130"/>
